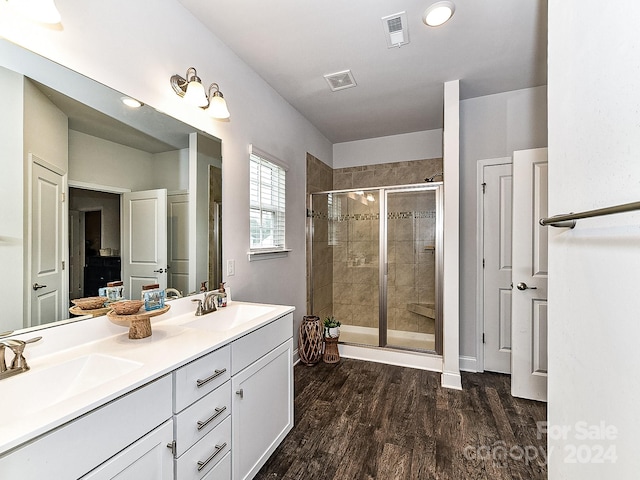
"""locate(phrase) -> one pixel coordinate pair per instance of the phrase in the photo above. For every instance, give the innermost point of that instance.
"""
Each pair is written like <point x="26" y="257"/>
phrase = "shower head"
<point x="430" y="179"/>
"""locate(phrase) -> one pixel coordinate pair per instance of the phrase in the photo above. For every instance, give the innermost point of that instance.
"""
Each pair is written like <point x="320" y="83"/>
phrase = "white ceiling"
<point x="492" y="46"/>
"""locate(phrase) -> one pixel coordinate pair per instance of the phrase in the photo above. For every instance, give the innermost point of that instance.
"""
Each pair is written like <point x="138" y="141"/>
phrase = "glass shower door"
<point x="345" y="262"/>
<point x="413" y="239"/>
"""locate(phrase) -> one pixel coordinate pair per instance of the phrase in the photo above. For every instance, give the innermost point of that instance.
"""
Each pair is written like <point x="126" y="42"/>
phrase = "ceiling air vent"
<point x="340" y="80"/>
<point x="396" y="29"/>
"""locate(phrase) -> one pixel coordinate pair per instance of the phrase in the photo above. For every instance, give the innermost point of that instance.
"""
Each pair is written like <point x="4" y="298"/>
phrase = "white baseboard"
<point x="296" y="357"/>
<point x="422" y="361"/>
<point x="451" y="380"/>
<point x="468" y="364"/>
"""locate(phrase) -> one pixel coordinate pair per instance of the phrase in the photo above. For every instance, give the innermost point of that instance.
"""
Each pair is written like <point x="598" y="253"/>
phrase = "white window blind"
<point x="267" y="204"/>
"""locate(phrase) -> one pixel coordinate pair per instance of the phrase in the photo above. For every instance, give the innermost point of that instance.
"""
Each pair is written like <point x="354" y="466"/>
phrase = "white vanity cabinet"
<point x="74" y="449"/>
<point x="218" y="417"/>
<point x="262" y="384"/>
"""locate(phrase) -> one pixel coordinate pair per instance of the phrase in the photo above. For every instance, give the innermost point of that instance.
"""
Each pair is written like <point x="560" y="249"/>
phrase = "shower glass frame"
<point x="383" y="264"/>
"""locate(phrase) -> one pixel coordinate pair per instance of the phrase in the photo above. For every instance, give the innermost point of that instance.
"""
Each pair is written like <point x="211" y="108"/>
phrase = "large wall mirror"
<point x="93" y="191"/>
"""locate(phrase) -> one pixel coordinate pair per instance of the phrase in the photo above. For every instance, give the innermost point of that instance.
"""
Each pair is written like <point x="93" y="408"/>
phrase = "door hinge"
<point x="483" y="338"/>
<point x="484" y="187"/>
<point x="62" y="264"/>
<point x="483" y="263"/>
<point x="173" y="447"/>
<point x="309" y="213"/>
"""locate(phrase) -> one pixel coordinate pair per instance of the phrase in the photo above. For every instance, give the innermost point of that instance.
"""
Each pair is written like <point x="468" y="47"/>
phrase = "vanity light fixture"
<point x="191" y="89"/>
<point x="217" y="105"/>
<point x="43" y="11"/>
<point x="438" y="13"/>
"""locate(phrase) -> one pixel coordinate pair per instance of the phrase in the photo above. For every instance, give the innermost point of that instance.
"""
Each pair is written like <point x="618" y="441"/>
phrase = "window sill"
<point x="256" y="255"/>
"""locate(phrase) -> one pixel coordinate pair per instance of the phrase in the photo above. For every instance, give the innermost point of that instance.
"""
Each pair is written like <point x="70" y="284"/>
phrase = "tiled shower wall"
<point x="346" y="273"/>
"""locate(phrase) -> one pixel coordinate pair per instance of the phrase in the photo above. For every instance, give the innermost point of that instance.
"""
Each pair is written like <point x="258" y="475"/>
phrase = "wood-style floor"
<point x="360" y="420"/>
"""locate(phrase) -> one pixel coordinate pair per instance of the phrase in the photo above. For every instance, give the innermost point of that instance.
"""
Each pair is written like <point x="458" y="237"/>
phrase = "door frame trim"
<point x="480" y="253"/>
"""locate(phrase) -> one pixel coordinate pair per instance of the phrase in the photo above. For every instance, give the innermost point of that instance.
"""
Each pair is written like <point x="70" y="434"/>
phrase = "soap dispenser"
<point x="222" y="296"/>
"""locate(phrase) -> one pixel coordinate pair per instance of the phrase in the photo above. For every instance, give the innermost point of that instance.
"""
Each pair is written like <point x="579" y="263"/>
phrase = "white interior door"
<point x="497" y="217"/>
<point x="178" y="238"/>
<point x="529" y="303"/>
<point x="144" y="240"/>
<point x="46" y="281"/>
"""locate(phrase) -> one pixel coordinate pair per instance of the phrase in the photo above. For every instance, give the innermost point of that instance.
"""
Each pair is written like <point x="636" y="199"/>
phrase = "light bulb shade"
<point x="195" y="93"/>
<point x="43" y="11"/>
<point x="438" y="13"/>
<point x="218" y="106"/>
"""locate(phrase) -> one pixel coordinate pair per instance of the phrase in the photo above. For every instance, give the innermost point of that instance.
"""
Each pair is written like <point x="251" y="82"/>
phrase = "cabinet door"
<point x="147" y="459"/>
<point x="262" y="411"/>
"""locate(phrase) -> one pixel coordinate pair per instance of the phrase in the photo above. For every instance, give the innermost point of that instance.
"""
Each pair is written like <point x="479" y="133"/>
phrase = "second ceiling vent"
<point x="396" y="29"/>
<point x="340" y="80"/>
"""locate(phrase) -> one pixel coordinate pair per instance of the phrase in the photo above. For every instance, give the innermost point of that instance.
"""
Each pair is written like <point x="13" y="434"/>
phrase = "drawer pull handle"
<point x="219" y="448"/>
<point x="216" y="374"/>
<point x="202" y="424"/>
<point x="240" y="392"/>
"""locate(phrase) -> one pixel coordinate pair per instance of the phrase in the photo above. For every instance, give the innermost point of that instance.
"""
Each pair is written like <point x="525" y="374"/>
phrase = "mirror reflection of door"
<point x="178" y="242"/>
<point x="144" y="247"/>
<point x="47" y="269"/>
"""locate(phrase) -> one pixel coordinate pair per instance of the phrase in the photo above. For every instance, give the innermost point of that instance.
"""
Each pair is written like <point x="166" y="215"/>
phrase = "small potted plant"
<point x="331" y="327"/>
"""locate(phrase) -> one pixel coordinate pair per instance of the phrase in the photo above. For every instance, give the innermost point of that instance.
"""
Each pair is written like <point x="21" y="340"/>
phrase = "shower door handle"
<point x="524" y="286"/>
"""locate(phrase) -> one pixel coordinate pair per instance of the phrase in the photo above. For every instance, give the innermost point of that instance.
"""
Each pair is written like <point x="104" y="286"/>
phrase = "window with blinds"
<point x="267" y="204"/>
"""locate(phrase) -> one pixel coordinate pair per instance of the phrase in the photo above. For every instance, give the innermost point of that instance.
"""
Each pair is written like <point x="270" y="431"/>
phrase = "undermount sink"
<point x="228" y="318"/>
<point x="40" y="388"/>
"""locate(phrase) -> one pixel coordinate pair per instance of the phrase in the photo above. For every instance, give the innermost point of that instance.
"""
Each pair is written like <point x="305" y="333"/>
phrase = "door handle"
<point x="37" y="287"/>
<point x="524" y="286"/>
<point x="240" y="392"/>
<point x="160" y="270"/>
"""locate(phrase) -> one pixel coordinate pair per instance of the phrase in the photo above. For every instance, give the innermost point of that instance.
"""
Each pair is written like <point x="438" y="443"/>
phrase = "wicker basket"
<point x="310" y="340"/>
<point x="89" y="303"/>
<point x="127" y="307"/>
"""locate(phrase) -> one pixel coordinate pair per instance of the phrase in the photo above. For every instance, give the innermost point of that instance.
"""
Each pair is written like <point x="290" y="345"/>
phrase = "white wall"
<point x="11" y="194"/>
<point x="45" y="129"/>
<point x="171" y="169"/>
<point x="490" y="127"/>
<point x="594" y="161"/>
<point x="390" y="149"/>
<point x="101" y="162"/>
<point x="135" y="48"/>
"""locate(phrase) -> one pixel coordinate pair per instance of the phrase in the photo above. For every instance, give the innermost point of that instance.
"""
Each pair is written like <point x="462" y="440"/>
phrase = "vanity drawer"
<point x="222" y="470"/>
<point x="248" y="349"/>
<point x="196" y="421"/>
<point x="206" y="453"/>
<point x="200" y="377"/>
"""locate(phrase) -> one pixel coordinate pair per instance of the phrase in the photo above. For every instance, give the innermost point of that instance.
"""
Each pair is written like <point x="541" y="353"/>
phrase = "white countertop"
<point x="171" y="345"/>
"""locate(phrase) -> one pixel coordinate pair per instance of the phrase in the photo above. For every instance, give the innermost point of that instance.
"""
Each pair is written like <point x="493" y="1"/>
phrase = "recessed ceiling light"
<point x="131" y="102"/>
<point x="438" y="13"/>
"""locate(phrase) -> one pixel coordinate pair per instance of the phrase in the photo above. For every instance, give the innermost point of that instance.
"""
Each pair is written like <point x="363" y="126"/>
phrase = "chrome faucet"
<point x="207" y="305"/>
<point x="19" y="363"/>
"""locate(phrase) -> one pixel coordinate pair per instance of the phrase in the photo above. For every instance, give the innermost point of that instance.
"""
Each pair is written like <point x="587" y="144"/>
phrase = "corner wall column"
<point x="451" y="277"/>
